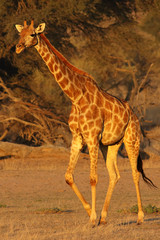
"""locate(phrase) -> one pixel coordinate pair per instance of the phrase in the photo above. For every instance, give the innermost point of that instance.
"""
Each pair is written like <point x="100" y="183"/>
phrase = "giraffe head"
<point x="28" y="35"/>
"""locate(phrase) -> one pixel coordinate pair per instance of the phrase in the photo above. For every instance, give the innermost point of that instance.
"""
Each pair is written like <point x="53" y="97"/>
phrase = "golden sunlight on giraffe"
<point x="97" y="119"/>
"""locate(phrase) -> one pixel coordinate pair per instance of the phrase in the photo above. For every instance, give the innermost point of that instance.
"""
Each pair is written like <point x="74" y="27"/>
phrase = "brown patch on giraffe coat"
<point x="107" y="127"/>
<point x="73" y="127"/>
<point x="132" y="125"/>
<point x="50" y="65"/>
<point x="63" y="69"/>
<point x="91" y="98"/>
<point x="40" y="45"/>
<point x="111" y="99"/>
<point x="116" y="119"/>
<point x="116" y="110"/>
<point x="114" y="127"/>
<point x="88" y="97"/>
<point x="108" y="105"/>
<point x="85" y="127"/>
<point x="71" y="88"/>
<point x="64" y="82"/>
<point x="91" y="124"/>
<point x="120" y="125"/>
<point x="70" y="75"/>
<point x="86" y="135"/>
<point x="88" y="115"/>
<point x="90" y="86"/>
<point x="121" y="111"/>
<point x="96" y="140"/>
<point x="99" y="99"/>
<point x="106" y="114"/>
<point x="90" y="142"/>
<point x="93" y="132"/>
<point x="56" y="60"/>
<point x="59" y="76"/>
<point x="69" y="93"/>
<point x="108" y="136"/>
<point x="81" y="119"/>
<point x="55" y="68"/>
<point x="46" y="58"/>
<point x="52" y="60"/>
<point x="45" y="49"/>
<point x="78" y="82"/>
<point x="98" y="122"/>
<point x="82" y="102"/>
<point x="71" y="117"/>
<point x="94" y="110"/>
<point x="118" y="131"/>
<point x="42" y="54"/>
<point x="50" y="51"/>
<point x="84" y="108"/>
<point x="125" y="117"/>
<point x="75" y="118"/>
<point x="40" y="50"/>
<point x="77" y="92"/>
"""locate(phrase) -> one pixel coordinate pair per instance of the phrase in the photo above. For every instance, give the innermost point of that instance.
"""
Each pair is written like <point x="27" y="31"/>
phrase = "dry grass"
<point x="37" y="204"/>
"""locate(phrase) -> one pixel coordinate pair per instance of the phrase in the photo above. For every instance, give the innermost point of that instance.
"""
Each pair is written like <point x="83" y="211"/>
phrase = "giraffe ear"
<point x="40" y="28"/>
<point x="19" y="27"/>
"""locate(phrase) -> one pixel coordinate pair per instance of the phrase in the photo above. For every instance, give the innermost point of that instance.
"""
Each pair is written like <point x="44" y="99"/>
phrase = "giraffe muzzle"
<point x="19" y="48"/>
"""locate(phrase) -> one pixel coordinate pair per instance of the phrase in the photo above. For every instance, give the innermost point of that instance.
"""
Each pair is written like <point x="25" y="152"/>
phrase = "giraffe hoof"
<point x="139" y="222"/>
<point x="140" y="218"/>
<point x="102" y="222"/>
<point x="91" y="224"/>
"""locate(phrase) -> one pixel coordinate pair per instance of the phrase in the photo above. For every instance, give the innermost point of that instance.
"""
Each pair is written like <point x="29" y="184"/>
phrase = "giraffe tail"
<point x="140" y="169"/>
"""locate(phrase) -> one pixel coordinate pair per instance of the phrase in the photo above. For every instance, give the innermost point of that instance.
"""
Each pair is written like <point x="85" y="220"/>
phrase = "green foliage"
<point x="134" y="209"/>
<point x="3" y="206"/>
<point x="149" y="209"/>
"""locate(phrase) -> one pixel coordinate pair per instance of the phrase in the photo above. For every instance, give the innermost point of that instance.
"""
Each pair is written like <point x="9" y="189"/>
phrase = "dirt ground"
<point x="37" y="204"/>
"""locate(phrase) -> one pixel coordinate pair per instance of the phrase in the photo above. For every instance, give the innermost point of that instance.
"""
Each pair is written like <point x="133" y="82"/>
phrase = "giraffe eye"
<point x="33" y="35"/>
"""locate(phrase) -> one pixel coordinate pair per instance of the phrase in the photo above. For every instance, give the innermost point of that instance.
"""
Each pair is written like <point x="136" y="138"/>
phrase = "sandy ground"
<point x="37" y="204"/>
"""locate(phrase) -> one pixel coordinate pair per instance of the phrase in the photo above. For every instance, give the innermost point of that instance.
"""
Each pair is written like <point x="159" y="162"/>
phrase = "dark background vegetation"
<point x="117" y="42"/>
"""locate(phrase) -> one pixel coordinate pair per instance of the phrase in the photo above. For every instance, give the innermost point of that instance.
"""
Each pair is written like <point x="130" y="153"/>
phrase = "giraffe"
<point x="97" y="119"/>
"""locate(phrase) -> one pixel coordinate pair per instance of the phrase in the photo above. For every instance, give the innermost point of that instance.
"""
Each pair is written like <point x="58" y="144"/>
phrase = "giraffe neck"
<point x="67" y="76"/>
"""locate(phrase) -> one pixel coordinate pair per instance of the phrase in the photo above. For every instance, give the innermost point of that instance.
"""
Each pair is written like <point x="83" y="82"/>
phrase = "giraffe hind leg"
<point x="111" y="164"/>
<point x="104" y="150"/>
<point x="133" y="153"/>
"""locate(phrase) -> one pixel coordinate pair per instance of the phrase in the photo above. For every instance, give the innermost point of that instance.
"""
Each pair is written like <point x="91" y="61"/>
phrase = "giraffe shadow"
<point x="5" y="157"/>
<point x="132" y="222"/>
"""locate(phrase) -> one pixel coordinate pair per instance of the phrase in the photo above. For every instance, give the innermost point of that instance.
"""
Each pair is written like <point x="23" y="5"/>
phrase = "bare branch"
<point x="8" y="91"/>
<point x="21" y="121"/>
<point x="39" y="124"/>
<point x="145" y="78"/>
<point x="4" y="134"/>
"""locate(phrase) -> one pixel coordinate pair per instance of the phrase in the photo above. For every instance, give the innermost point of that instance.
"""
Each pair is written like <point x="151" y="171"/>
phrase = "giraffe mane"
<point x="63" y="59"/>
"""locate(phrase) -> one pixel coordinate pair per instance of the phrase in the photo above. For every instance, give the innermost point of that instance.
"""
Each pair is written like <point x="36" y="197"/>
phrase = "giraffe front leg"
<point x="75" y="150"/>
<point x="93" y="152"/>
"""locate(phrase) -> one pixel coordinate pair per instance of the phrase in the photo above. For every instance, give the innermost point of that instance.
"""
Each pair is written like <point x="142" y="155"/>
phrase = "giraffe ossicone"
<point x="97" y="119"/>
